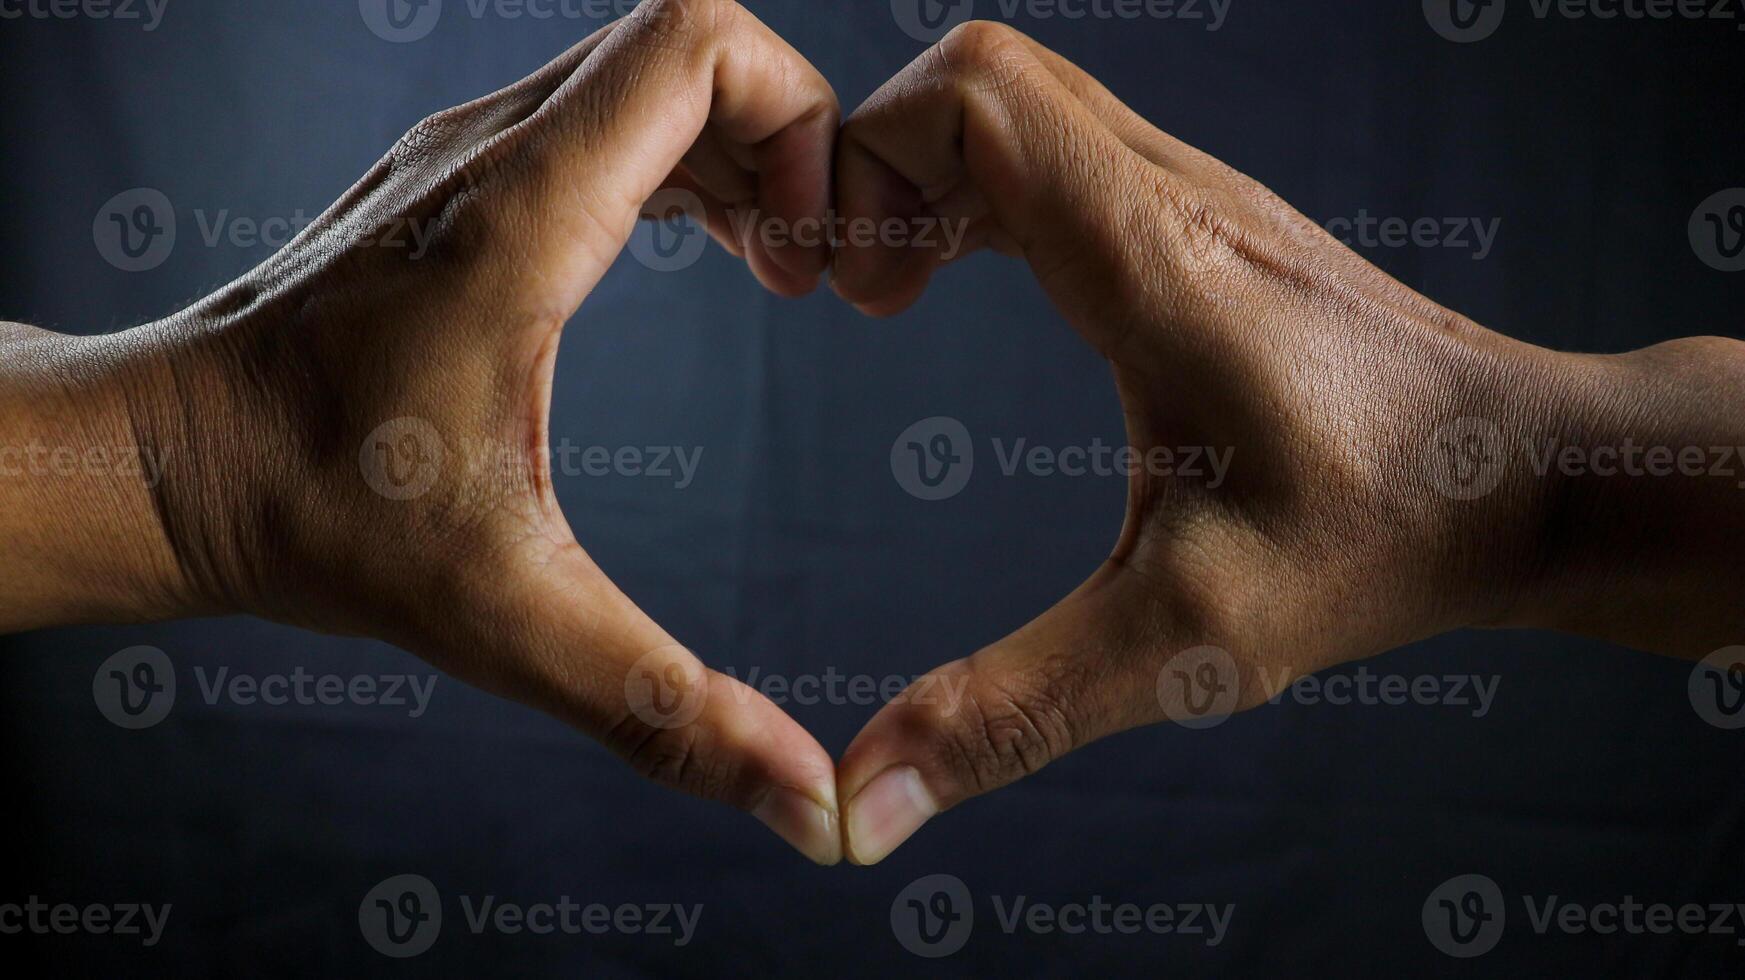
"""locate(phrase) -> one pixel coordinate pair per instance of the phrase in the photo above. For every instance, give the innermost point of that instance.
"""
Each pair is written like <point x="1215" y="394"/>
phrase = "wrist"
<point x="79" y="475"/>
<point x="1521" y="527"/>
<point x="1499" y="519"/>
<point x="1637" y="490"/>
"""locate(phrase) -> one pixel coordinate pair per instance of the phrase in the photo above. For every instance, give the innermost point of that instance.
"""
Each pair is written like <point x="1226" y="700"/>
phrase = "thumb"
<point x="551" y="631"/>
<point x="1083" y="670"/>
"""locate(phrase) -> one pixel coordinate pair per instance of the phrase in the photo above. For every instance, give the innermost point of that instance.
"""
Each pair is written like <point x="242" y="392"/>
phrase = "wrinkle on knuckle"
<point x="1216" y="248"/>
<point x="460" y="222"/>
<point x="443" y="135"/>
<point x="674" y="757"/>
<point x="442" y="198"/>
<point x="426" y="140"/>
<point x="1003" y="735"/>
<point x="996" y="79"/>
<point x="1203" y="232"/>
<point x="680" y="26"/>
<point x="977" y="46"/>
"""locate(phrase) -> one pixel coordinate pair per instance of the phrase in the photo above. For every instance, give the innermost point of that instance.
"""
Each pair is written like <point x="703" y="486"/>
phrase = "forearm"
<point x="82" y="538"/>
<point x="1639" y="509"/>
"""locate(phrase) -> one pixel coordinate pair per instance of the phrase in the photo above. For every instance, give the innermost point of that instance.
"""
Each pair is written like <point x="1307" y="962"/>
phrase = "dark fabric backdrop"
<point x="1591" y="778"/>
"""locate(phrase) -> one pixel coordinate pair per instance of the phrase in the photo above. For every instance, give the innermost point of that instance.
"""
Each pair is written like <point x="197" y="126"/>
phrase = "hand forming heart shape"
<point x="1231" y="322"/>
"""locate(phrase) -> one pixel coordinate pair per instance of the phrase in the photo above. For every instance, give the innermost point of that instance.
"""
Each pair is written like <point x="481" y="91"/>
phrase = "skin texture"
<point x="263" y="395"/>
<point x="279" y="407"/>
<point x="1233" y="322"/>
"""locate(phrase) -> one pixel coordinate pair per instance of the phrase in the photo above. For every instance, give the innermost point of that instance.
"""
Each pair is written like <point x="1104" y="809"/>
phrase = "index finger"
<point x="609" y="136"/>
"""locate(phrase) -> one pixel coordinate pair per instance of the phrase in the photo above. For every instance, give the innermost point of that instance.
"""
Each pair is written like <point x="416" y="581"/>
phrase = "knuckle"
<point x="984" y="60"/>
<point x="679" y="758"/>
<point x="452" y="223"/>
<point x="684" y="23"/>
<point x="463" y="219"/>
<point x="1209" y="242"/>
<point x="445" y="173"/>
<point x="434" y="137"/>
<point x="980" y="44"/>
<point x="1203" y="225"/>
<point x="1002" y="735"/>
<point x="1688" y="352"/>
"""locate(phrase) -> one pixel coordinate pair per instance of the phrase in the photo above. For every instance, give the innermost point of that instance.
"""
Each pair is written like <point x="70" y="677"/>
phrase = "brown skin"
<point x="1230" y="321"/>
<point x="263" y="395"/>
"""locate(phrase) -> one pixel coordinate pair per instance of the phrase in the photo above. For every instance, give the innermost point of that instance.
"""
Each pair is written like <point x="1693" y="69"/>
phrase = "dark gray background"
<point x="1592" y="778"/>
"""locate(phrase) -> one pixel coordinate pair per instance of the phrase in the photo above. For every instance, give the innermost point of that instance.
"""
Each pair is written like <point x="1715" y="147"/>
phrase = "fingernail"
<point x="802" y="822"/>
<point x="885" y="812"/>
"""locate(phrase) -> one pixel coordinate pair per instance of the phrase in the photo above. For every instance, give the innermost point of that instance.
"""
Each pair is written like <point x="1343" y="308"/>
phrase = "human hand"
<point x="1237" y="326"/>
<point x="1233" y="324"/>
<point x="355" y="434"/>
